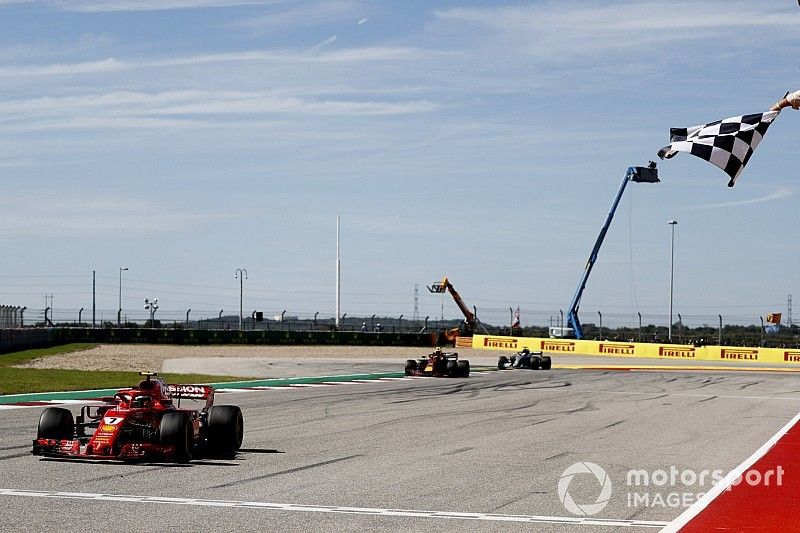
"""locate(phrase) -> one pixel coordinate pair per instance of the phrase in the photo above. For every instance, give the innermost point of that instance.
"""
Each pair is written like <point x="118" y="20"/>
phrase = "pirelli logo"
<point x="617" y="349"/>
<point x="739" y="354"/>
<point x="558" y="346"/>
<point x="664" y="351"/>
<point x="500" y="342"/>
<point x="791" y="357"/>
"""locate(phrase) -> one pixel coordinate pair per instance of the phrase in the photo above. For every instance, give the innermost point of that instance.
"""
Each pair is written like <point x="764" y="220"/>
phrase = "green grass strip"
<point x="186" y="379"/>
<point x="14" y="380"/>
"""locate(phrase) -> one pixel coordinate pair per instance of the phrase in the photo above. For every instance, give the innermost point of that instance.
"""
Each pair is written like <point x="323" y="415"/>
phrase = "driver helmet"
<point x="525" y="350"/>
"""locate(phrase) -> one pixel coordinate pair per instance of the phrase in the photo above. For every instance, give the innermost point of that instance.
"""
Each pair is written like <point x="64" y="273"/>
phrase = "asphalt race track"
<point x="479" y="454"/>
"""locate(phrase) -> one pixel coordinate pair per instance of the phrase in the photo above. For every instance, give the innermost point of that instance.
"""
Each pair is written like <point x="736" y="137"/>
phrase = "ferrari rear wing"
<point x="193" y="392"/>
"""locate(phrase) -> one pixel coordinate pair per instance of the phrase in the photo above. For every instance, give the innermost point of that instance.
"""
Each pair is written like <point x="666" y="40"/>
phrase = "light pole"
<point x="152" y="306"/>
<point x="672" y="224"/>
<point x="601" y="324"/>
<point x="119" y="309"/>
<point x="640" y="325"/>
<point x="241" y="275"/>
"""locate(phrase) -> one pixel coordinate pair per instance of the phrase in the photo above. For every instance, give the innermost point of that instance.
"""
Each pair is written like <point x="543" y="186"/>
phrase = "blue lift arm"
<point x="647" y="174"/>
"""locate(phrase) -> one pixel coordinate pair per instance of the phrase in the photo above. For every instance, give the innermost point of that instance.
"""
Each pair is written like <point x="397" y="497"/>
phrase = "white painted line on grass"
<point x="728" y="480"/>
<point x="289" y="507"/>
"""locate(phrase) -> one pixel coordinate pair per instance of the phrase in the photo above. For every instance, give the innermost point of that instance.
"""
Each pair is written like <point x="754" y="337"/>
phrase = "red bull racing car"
<point x="439" y="364"/>
<point x="525" y="359"/>
<point x="144" y="422"/>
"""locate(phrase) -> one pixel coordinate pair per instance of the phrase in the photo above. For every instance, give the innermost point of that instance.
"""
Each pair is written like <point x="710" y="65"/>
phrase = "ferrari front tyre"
<point x="176" y="430"/>
<point x="502" y="362"/>
<point x="463" y="367"/>
<point x="225" y="429"/>
<point x="411" y="366"/>
<point x="56" y="423"/>
<point x="547" y="362"/>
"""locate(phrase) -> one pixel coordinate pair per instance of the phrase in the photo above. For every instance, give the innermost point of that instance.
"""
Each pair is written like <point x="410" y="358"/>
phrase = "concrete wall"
<point x="21" y="339"/>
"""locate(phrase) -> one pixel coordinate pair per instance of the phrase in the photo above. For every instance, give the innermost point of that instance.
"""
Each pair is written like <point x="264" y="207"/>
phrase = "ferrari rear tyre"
<point x="547" y="362"/>
<point x="502" y="362"/>
<point x="56" y="423"/>
<point x="463" y="367"/>
<point x="176" y="430"/>
<point x="225" y="429"/>
<point x="411" y="366"/>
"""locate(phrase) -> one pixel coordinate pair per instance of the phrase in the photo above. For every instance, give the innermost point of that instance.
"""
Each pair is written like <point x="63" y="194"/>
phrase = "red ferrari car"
<point x="143" y="422"/>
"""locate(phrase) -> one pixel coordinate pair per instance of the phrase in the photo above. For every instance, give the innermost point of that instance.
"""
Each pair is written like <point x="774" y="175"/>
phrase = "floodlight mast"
<point x="648" y="174"/>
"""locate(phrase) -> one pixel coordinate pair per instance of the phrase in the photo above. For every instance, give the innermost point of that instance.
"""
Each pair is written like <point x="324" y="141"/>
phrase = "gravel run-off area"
<point x="137" y="357"/>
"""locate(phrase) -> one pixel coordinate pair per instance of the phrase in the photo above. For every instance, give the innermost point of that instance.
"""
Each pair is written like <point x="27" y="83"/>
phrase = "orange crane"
<point x="470" y="320"/>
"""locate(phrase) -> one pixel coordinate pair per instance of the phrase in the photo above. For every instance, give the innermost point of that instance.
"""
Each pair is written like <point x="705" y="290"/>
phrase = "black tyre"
<point x="225" y="429"/>
<point x="463" y="367"/>
<point x="452" y="369"/>
<point x="535" y="363"/>
<point x="502" y="362"/>
<point x="411" y="366"/>
<point x="547" y="362"/>
<point x="56" y="423"/>
<point x="440" y="367"/>
<point x="176" y="430"/>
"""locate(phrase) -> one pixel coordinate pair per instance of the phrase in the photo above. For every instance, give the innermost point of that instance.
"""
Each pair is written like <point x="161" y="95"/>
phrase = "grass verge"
<point x="15" y="380"/>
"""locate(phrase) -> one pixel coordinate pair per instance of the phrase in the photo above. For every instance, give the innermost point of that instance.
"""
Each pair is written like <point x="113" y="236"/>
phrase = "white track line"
<point x="289" y="507"/>
<point x="726" y="482"/>
<point x="288" y="386"/>
<point x="682" y="394"/>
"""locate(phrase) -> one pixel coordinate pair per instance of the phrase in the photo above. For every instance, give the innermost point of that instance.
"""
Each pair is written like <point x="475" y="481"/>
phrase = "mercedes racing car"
<point x="439" y="364"/>
<point x="525" y="359"/>
<point x="144" y="422"/>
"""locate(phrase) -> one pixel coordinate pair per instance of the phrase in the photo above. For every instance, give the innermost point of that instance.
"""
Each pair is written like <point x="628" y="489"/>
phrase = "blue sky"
<point x="482" y="141"/>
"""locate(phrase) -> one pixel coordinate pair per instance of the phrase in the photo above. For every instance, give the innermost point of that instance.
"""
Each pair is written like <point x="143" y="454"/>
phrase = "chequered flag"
<point x="727" y="143"/>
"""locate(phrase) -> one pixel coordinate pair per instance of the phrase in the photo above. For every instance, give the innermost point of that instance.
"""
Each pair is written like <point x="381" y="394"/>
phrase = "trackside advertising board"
<point x="638" y="349"/>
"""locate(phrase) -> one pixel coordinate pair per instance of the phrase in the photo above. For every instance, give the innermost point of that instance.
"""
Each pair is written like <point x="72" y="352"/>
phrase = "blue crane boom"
<point x="647" y="174"/>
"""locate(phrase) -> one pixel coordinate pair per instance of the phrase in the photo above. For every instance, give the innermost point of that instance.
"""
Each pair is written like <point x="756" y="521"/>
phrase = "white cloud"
<point x="778" y="194"/>
<point x="553" y="29"/>
<point x="150" y="5"/>
<point x="304" y="14"/>
<point x="352" y="55"/>
<point x="72" y="213"/>
<point x="180" y="109"/>
<point x="327" y="42"/>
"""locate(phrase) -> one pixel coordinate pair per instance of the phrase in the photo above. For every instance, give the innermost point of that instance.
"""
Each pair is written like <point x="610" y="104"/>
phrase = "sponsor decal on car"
<point x="189" y="391"/>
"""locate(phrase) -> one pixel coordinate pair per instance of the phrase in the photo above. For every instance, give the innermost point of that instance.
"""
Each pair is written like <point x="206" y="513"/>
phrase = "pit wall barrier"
<point x="638" y="349"/>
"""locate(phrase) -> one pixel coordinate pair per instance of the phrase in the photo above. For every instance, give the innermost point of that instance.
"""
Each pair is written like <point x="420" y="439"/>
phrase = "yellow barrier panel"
<point x="638" y="349"/>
